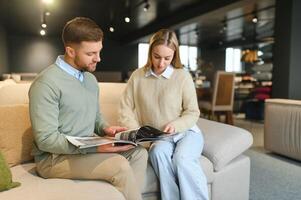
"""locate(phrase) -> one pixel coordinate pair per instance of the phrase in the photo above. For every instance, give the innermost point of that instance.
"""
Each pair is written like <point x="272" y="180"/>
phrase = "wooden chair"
<point x="221" y="101"/>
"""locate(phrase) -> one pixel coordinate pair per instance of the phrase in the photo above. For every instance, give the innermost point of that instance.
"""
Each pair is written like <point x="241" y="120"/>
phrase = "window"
<point x="188" y="55"/>
<point x="233" y="63"/>
<point x="142" y="54"/>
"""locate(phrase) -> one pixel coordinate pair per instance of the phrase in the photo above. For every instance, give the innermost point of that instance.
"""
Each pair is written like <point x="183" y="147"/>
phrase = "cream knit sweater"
<point x="157" y="101"/>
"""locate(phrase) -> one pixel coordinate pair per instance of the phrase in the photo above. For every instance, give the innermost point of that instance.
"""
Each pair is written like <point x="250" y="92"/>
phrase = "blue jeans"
<point x="176" y="161"/>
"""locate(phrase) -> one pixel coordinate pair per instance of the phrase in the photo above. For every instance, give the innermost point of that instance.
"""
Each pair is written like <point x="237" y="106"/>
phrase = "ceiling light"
<point x="255" y="20"/>
<point x="146" y="7"/>
<point x="42" y="32"/>
<point x="47" y="13"/>
<point x="127" y="19"/>
<point x="44" y="25"/>
<point x="47" y="1"/>
<point x="111" y="29"/>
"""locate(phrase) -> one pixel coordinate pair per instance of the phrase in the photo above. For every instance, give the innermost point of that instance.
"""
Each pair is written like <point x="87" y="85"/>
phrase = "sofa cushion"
<point x="152" y="185"/>
<point x="14" y="94"/>
<point x="36" y="188"/>
<point x="109" y="97"/>
<point x="223" y="142"/>
<point x="15" y="134"/>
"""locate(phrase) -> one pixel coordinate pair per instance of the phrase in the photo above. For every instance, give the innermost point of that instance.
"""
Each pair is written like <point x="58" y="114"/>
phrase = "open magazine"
<point x="133" y="137"/>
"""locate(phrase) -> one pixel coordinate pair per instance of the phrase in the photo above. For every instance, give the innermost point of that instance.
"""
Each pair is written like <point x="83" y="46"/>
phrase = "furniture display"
<point x="282" y="127"/>
<point x="226" y="167"/>
<point x="222" y="98"/>
<point x="251" y="90"/>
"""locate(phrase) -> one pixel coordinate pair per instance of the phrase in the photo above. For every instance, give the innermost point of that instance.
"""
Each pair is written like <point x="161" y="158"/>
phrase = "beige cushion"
<point x="36" y="188"/>
<point x="14" y="94"/>
<point x="15" y="134"/>
<point x="223" y="142"/>
<point x="109" y="97"/>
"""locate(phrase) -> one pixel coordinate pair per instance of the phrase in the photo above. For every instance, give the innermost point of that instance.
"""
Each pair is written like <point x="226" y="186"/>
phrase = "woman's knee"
<point x="160" y="149"/>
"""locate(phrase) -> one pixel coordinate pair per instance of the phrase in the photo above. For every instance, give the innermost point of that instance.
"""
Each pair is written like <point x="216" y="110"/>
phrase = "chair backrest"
<point x="223" y="91"/>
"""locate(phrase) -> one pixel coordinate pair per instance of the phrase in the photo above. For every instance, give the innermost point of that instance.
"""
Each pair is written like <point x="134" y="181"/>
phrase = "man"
<point x="64" y="101"/>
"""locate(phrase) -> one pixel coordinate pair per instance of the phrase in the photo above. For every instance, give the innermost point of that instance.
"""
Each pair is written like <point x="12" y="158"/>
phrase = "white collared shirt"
<point x="69" y="69"/>
<point x="166" y="74"/>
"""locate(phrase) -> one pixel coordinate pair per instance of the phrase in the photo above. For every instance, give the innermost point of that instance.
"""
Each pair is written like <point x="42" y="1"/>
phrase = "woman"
<point x="162" y="95"/>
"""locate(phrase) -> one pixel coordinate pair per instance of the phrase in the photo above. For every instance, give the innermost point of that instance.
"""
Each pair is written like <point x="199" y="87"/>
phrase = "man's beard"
<point x="86" y="68"/>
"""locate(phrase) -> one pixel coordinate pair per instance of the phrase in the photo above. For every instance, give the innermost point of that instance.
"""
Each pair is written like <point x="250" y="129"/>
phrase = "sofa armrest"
<point x="223" y="142"/>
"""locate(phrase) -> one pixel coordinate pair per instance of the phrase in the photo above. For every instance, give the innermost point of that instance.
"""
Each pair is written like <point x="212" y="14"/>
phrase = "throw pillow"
<point x="6" y="182"/>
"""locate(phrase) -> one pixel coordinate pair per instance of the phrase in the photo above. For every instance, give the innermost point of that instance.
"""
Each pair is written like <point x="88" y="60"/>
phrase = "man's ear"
<point x="70" y="52"/>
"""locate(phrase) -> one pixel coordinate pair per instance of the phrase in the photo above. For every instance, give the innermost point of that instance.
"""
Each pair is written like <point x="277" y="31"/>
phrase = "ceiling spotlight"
<point x="44" y="25"/>
<point x="111" y="29"/>
<point x="146" y="7"/>
<point x="42" y="32"/>
<point x="127" y="19"/>
<point x="47" y="13"/>
<point x="47" y="1"/>
<point x="255" y="19"/>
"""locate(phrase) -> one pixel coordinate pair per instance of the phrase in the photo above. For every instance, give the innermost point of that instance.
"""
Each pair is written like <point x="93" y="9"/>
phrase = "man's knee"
<point x="121" y="163"/>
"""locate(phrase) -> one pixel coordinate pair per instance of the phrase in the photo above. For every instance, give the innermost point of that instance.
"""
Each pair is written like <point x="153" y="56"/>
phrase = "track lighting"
<point x="111" y="29"/>
<point x="146" y="7"/>
<point x="255" y="19"/>
<point x="42" y="32"/>
<point x="127" y="19"/>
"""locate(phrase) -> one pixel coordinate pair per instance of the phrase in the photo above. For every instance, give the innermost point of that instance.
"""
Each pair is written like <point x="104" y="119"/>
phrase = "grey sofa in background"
<point x="282" y="127"/>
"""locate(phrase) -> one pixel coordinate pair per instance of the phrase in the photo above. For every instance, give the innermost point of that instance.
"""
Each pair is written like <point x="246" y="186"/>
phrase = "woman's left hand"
<point x="169" y="129"/>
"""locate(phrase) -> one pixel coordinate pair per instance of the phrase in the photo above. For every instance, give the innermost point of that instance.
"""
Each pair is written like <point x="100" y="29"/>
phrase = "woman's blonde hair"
<point x="168" y="38"/>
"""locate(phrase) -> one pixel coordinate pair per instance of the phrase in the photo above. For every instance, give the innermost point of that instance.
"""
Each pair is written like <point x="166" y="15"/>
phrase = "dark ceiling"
<point x="210" y="23"/>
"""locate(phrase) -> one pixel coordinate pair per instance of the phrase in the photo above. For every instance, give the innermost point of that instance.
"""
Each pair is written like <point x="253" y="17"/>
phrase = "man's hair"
<point x="81" y="29"/>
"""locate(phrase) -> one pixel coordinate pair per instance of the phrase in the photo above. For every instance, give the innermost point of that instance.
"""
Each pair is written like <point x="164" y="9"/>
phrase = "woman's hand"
<point x="111" y="148"/>
<point x="112" y="130"/>
<point x="169" y="129"/>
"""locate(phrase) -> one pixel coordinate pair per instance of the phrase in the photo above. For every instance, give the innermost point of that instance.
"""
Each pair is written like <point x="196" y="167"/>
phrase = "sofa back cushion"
<point x="109" y="97"/>
<point x="15" y="133"/>
<point x="14" y="93"/>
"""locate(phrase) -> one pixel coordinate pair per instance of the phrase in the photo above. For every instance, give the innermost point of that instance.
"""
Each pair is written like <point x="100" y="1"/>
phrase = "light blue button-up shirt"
<point x="69" y="69"/>
<point x="166" y="74"/>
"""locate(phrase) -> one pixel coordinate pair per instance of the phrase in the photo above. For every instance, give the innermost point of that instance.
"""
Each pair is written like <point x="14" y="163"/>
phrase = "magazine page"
<point x="144" y="133"/>
<point x="86" y="142"/>
<point x="129" y="135"/>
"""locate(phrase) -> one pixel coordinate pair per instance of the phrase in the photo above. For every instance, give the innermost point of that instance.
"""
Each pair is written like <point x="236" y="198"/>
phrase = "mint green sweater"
<point x="62" y="105"/>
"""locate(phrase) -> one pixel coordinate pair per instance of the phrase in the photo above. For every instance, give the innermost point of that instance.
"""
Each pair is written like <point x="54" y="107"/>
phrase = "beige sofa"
<point x="282" y="127"/>
<point x="225" y="166"/>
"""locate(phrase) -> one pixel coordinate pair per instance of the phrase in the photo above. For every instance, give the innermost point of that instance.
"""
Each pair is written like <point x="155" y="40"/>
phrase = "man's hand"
<point x="110" y="148"/>
<point x="169" y="129"/>
<point x="112" y="130"/>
